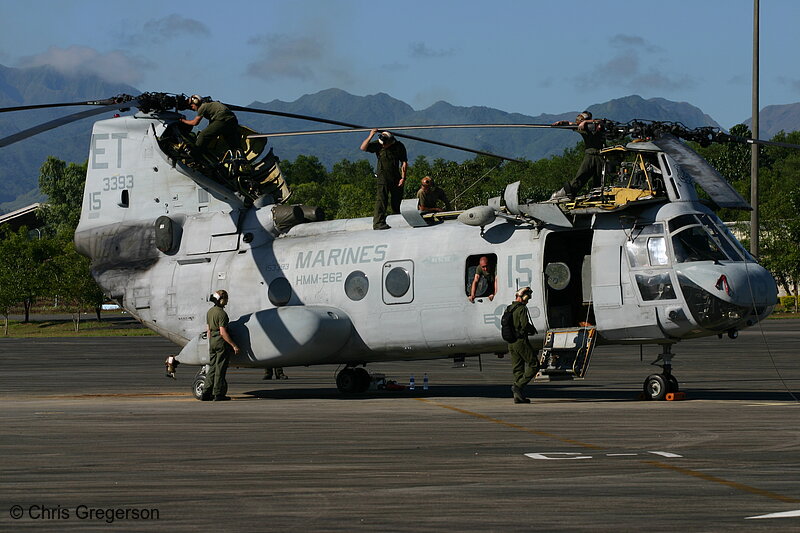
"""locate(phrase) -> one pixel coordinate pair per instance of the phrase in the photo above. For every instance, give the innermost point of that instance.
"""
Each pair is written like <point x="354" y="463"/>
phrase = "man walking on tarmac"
<point x="216" y="386"/>
<point x="523" y="356"/>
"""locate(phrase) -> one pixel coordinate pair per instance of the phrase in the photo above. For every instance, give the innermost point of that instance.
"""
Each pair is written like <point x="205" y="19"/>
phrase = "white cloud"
<point x="420" y="50"/>
<point x="627" y="69"/>
<point x="115" y="66"/>
<point x="306" y="59"/>
<point x="173" y="26"/>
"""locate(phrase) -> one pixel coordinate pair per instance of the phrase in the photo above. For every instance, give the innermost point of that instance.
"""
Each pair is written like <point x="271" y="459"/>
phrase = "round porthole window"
<point x="279" y="292"/>
<point x="356" y="285"/>
<point x="398" y="282"/>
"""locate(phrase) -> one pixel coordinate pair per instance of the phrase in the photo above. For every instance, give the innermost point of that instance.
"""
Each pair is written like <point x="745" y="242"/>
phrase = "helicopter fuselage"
<point x="162" y="237"/>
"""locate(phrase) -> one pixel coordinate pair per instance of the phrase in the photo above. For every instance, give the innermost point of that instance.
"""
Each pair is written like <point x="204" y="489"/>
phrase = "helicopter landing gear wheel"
<point x="656" y="387"/>
<point x="199" y="384"/>
<point x="672" y="384"/>
<point x="352" y="380"/>
<point x="363" y="379"/>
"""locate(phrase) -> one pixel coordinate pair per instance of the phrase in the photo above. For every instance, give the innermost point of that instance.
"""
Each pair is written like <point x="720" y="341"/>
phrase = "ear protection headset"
<point x="196" y="99"/>
<point x="524" y="293"/>
<point x="218" y="296"/>
<point x="386" y="138"/>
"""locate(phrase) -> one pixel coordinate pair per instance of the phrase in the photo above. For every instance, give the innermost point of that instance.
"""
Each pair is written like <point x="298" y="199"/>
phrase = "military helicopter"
<point x="640" y="261"/>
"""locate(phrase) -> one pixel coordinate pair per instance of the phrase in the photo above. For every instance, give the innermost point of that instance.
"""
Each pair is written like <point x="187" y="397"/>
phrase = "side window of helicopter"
<point x="485" y="282"/>
<point x="656" y="286"/>
<point x="647" y="246"/>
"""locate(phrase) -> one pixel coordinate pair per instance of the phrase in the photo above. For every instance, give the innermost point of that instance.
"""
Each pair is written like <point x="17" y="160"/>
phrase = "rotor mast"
<point x="754" y="241"/>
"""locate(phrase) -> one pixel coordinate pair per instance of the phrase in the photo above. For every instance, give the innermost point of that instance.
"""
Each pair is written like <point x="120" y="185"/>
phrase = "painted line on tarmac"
<point x="786" y="514"/>
<point x="511" y="424"/>
<point x="732" y="484"/>
<point x="658" y="464"/>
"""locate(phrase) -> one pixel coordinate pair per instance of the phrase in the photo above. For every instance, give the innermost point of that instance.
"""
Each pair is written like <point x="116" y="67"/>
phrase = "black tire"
<point x="199" y="386"/>
<point x="655" y="387"/>
<point x="363" y="379"/>
<point x="347" y="381"/>
<point x="672" y="384"/>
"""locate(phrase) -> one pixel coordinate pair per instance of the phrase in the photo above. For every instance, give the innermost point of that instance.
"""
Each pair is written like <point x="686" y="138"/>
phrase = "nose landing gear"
<point x="658" y="386"/>
<point x="353" y="380"/>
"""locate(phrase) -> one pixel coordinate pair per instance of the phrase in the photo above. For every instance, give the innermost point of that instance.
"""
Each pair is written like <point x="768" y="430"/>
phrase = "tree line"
<point x="45" y="264"/>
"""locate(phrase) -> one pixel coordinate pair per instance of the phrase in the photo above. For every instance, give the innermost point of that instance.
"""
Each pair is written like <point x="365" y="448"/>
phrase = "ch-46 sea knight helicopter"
<point x="640" y="261"/>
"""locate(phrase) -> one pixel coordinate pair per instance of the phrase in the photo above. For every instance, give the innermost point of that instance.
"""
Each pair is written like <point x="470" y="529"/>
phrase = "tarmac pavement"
<point x="95" y="437"/>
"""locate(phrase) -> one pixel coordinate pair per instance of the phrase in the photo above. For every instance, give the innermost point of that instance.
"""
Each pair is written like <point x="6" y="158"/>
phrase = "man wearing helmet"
<point x="429" y="196"/>
<point x="218" y="340"/>
<point x="523" y="357"/>
<point x="592" y="164"/>
<point x="391" y="173"/>
<point x="221" y="123"/>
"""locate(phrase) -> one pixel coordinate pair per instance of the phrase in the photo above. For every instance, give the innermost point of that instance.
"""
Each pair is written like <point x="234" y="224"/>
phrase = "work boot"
<point x="279" y="374"/>
<point x="267" y="374"/>
<point x="518" y="396"/>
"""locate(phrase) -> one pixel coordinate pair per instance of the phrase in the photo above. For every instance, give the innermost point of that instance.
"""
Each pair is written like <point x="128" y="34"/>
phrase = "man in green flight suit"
<point x="429" y="196"/>
<point x="391" y="174"/>
<point x="221" y="123"/>
<point x="218" y="340"/>
<point x="523" y="357"/>
<point x="483" y="271"/>
<point x="592" y="165"/>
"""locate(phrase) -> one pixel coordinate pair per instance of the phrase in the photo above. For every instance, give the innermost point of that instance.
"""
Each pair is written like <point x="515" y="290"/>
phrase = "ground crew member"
<point x="484" y="271"/>
<point x="592" y="165"/>
<point x="218" y="340"/>
<point x="221" y="123"/>
<point x="429" y="196"/>
<point x="523" y="357"/>
<point x="391" y="174"/>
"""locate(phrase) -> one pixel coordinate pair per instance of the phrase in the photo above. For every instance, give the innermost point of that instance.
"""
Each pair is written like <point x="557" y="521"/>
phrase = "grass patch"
<point x="108" y="327"/>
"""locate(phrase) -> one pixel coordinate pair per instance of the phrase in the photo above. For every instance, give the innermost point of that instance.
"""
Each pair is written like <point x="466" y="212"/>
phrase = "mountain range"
<point x="19" y="163"/>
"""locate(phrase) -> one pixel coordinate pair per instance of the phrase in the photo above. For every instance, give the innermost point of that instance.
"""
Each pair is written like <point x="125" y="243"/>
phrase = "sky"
<point x="519" y="56"/>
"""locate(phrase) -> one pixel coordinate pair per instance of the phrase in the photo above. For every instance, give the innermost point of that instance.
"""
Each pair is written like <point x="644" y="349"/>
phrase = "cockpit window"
<point x="695" y="244"/>
<point x="720" y="232"/>
<point x="679" y="222"/>
<point x="647" y="246"/>
<point x="704" y="238"/>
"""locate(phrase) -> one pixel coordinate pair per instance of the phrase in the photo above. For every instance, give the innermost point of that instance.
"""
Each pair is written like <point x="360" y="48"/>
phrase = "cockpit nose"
<point x="724" y="296"/>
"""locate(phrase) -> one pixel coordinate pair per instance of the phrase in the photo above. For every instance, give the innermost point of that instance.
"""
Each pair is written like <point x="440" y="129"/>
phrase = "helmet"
<point x="195" y="99"/>
<point x="525" y="293"/>
<point x="219" y="296"/>
<point x="586" y="115"/>
<point x="385" y="137"/>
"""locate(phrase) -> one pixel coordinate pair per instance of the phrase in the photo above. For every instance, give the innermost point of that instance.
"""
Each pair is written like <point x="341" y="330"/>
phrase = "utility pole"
<point x="754" y="147"/>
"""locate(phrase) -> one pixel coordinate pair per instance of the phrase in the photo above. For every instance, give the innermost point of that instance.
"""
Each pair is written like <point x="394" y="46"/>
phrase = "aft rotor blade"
<point x="767" y="143"/>
<point x="404" y="128"/>
<point x="24" y="134"/>
<point x="356" y="126"/>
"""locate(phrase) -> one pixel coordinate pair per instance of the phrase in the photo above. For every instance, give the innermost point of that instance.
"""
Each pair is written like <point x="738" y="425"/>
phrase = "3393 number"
<point x="117" y="183"/>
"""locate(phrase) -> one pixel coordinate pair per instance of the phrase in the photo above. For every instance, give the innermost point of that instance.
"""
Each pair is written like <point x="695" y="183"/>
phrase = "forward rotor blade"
<point x="402" y="128"/>
<point x="109" y="101"/>
<point x="356" y="126"/>
<point x="24" y="134"/>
